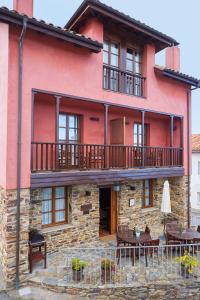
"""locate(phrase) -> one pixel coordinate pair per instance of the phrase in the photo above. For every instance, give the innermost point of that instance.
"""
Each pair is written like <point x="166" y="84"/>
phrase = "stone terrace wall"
<point x="162" y="290"/>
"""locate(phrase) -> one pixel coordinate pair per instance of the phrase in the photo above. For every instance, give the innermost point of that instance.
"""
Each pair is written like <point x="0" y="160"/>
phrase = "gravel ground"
<point x="4" y="296"/>
<point x="41" y="294"/>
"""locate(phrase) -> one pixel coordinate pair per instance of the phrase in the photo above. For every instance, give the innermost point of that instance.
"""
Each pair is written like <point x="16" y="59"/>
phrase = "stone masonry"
<point x="8" y="211"/>
<point x="83" y="226"/>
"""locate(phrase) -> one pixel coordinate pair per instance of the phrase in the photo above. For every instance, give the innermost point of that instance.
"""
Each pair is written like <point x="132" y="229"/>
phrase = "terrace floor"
<point x="157" y="268"/>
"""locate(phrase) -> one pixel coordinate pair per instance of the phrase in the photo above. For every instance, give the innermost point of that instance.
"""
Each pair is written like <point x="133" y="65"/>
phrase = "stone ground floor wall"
<point x="8" y="210"/>
<point x="83" y="224"/>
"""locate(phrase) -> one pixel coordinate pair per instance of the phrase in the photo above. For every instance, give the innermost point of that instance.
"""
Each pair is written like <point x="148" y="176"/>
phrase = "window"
<point x="54" y="206"/>
<point x="69" y="128"/>
<point x="133" y="61"/>
<point x="198" y="167"/>
<point x="147" y="193"/>
<point x="198" y="198"/>
<point x="111" y="58"/>
<point x="111" y="53"/>
<point x="137" y="139"/>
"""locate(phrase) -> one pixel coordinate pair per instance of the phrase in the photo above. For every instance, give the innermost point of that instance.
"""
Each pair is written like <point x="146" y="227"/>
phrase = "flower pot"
<point x="185" y="272"/>
<point x="106" y="276"/>
<point x="77" y="275"/>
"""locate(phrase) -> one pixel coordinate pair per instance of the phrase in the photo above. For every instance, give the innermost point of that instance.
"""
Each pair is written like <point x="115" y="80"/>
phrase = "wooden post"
<point x="171" y="139"/>
<point x="106" y="107"/>
<point x="32" y="127"/>
<point x="143" y="139"/>
<point x="181" y="139"/>
<point x="57" y="111"/>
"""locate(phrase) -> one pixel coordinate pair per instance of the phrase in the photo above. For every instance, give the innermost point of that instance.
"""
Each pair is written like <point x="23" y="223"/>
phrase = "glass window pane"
<point x="105" y="45"/>
<point x="137" y="68"/>
<point x="114" y="60"/>
<point x="62" y="120"/>
<point x="137" y="56"/>
<point x="60" y="204"/>
<point x="73" y="134"/>
<point x="114" y="48"/>
<point x="46" y="193"/>
<point x="46" y="205"/>
<point x="147" y="202"/>
<point x="105" y="57"/>
<point x="47" y="218"/>
<point x="60" y="192"/>
<point x="73" y="121"/>
<point x="140" y="140"/>
<point x="140" y="128"/>
<point x="60" y="216"/>
<point x="129" y="65"/>
<point x="62" y="133"/>
<point x="135" y="129"/>
<point x="129" y="54"/>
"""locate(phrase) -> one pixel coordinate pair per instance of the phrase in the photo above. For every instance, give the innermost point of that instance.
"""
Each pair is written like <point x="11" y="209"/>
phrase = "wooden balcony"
<point x="60" y="156"/>
<point x="124" y="82"/>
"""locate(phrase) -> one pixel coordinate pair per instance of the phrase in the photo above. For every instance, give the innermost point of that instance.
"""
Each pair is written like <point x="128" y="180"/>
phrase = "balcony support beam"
<point x="143" y="138"/>
<point x="171" y="138"/>
<point x="57" y="98"/>
<point x="106" y="108"/>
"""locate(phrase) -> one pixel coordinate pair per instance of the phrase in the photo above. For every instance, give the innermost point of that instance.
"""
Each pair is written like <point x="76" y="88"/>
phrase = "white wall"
<point x="195" y="188"/>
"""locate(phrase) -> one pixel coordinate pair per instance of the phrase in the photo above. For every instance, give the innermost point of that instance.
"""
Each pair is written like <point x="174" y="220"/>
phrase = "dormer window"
<point x="122" y="68"/>
<point x="111" y="53"/>
<point x="133" y="61"/>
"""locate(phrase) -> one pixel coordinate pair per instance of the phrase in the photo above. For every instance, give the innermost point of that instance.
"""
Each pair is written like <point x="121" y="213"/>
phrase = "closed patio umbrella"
<point x="166" y="204"/>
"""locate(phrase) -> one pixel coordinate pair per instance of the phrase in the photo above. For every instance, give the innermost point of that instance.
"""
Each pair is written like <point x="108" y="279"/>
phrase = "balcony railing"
<point x="61" y="156"/>
<point x="123" y="82"/>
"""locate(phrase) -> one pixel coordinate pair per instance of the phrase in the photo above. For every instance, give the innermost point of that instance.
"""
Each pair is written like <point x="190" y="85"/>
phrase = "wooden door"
<point x="117" y="137"/>
<point x="117" y="131"/>
<point x="113" y="212"/>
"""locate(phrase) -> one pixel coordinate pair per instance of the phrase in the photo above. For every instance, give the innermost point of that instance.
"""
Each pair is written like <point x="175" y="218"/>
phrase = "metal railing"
<point x="63" y="156"/>
<point x="124" y="266"/>
<point x="122" y="81"/>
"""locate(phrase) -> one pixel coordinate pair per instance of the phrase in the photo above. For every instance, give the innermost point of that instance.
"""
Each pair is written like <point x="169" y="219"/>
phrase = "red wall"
<point x="52" y="65"/>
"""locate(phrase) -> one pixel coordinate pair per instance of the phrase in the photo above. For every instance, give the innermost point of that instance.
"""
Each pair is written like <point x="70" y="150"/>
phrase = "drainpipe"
<point x="20" y="85"/>
<point x="188" y="148"/>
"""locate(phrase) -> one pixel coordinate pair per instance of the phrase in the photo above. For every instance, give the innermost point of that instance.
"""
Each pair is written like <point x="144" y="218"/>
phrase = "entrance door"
<point x="113" y="212"/>
<point x="107" y="211"/>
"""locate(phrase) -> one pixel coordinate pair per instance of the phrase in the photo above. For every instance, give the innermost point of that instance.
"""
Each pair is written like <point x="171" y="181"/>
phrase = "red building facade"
<point x="89" y="122"/>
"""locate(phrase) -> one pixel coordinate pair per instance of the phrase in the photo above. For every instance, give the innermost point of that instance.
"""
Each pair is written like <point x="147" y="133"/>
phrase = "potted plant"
<point x="77" y="269"/>
<point x="188" y="263"/>
<point x="107" y="267"/>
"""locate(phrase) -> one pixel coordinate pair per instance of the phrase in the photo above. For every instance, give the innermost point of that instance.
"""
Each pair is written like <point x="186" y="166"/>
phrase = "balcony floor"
<point x="77" y="177"/>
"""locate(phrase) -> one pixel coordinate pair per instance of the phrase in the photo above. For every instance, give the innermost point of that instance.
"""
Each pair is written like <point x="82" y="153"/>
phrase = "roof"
<point x="196" y="143"/>
<point x="99" y="8"/>
<point x="12" y="16"/>
<point x="187" y="79"/>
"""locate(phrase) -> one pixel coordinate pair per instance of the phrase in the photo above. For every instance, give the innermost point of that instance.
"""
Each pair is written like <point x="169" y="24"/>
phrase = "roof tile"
<point x="196" y="143"/>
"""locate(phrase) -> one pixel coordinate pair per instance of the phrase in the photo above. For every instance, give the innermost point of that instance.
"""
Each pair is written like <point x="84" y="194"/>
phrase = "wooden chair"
<point x="36" y="254"/>
<point x="122" y="229"/>
<point x="151" y="248"/>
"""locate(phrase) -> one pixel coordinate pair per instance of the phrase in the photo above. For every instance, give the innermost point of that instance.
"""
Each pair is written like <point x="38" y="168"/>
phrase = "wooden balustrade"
<point x="124" y="82"/>
<point x="61" y="156"/>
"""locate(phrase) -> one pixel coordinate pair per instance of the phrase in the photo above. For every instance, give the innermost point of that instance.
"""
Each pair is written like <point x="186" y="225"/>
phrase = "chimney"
<point x="24" y="7"/>
<point x="172" y="58"/>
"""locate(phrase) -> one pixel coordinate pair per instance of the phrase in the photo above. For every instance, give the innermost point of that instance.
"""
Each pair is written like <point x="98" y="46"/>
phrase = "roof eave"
<point x="181" y="78"/>
<point x="168" y="41"/>
<point x="11" y="17"/>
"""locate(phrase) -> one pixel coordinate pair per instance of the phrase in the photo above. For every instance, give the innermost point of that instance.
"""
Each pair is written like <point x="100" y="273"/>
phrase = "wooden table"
<point x="187" y="235"/>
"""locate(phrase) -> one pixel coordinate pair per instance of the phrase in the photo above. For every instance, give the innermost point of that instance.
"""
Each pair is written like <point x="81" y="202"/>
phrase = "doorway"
<point x="107" y="211"/>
